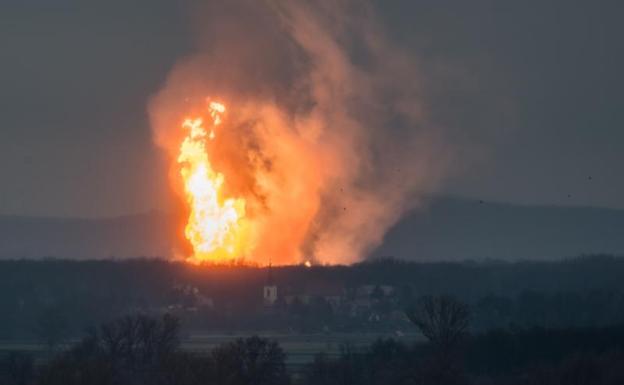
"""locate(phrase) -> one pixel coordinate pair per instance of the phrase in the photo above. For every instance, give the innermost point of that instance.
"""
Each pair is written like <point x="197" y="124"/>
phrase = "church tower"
<point x="269" y="291"/>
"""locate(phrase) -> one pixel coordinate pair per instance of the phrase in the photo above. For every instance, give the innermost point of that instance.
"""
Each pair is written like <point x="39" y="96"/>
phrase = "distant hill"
<point x="141" y="235"/>
<point x="447" y="229"/>
<point x="456" y="229"/>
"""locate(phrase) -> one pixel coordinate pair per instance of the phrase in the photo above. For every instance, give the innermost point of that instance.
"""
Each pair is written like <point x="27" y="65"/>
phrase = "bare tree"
<point x="131" y="350"/>
<point x="443" y="320"/>
<point x="250" y="361"/>
<point x="138" y="344"/>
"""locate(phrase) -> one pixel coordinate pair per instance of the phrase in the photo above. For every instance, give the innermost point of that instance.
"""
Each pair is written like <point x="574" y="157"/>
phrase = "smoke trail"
<point x="327" y="138"/>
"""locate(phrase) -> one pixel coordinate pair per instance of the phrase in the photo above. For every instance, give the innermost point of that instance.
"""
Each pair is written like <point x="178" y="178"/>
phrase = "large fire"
<point x="247" y="180"/>
<point x="317" y="143"/>
<point x="215" y="225"/>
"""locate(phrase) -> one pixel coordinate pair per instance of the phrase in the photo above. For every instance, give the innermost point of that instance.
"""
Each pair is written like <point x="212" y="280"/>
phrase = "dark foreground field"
<point x="143" y="350"/>
<point x="300" y="349"/>
<point x="379" y="322"/>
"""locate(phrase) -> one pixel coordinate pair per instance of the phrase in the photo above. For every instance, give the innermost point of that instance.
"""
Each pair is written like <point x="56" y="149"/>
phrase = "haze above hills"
<point x="447" y="229"/>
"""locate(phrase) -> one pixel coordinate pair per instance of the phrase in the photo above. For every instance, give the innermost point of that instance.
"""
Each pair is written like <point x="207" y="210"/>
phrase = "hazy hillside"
<point x="454" y="229"/>
<point x="448" y="229"/>
<point x="147" y="234"/>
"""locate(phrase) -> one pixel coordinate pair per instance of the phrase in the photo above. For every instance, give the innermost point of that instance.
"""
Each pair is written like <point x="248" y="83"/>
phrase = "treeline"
<point x="140" y="350"/>
<point x="502" y="357"/>
<point x="579" y="292"/>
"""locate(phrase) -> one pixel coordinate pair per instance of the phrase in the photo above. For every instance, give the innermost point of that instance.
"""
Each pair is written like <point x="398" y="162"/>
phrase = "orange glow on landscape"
<point x="215" y="226"/>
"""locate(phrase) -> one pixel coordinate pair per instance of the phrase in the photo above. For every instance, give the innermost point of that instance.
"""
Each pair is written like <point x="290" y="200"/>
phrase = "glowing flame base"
<point x="216" y="226"/>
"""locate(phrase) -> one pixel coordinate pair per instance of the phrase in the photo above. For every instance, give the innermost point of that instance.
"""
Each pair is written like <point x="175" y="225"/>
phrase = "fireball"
<point x="216" y="225"/>
<point x="316" y="152"/>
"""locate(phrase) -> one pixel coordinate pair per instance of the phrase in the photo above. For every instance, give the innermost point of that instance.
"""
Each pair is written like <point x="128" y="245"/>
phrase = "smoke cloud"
<point x="326" y="136"/>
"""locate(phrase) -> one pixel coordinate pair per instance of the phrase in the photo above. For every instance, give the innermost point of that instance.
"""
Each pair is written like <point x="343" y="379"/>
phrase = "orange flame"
<point x="317" y="155"/>
<point x="215" y="226"/>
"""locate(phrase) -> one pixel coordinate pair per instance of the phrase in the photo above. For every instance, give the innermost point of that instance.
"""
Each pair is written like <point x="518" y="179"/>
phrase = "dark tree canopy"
<point x="140" y="350"/>
<point x="125" y="351"/>
<point x="443" y="320"/>
<point x="251" y="360"/>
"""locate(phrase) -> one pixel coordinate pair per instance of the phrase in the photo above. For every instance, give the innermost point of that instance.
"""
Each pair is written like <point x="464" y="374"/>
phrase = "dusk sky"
<point x="539" y="81"/>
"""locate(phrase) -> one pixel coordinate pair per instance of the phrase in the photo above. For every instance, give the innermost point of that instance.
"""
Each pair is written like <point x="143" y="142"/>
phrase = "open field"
<point x="300" y="349"/>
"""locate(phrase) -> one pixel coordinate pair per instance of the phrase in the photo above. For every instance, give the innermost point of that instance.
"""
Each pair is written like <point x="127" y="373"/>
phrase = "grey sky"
<point x="543" y="78"/>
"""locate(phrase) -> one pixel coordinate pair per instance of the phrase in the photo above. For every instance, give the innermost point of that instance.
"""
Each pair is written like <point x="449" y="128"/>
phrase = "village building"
<point x="333" y="294"/>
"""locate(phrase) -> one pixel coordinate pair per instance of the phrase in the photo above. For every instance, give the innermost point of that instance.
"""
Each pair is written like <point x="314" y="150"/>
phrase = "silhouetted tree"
<point x="444" y="321"/>
<point x="250" y="361"/>
<point x="141" y="350"/>
<point x="131" y="350"/>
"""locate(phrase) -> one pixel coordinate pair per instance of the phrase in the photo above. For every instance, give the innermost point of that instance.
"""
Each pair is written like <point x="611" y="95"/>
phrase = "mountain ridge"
<point x="448" y="228"/>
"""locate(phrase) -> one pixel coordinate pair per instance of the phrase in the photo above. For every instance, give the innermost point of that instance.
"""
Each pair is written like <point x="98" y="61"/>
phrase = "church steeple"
<point x="269" y="292"/>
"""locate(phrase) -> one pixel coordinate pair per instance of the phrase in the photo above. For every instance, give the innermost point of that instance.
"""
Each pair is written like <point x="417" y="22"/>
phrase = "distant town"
<point x="336" y="307"/>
